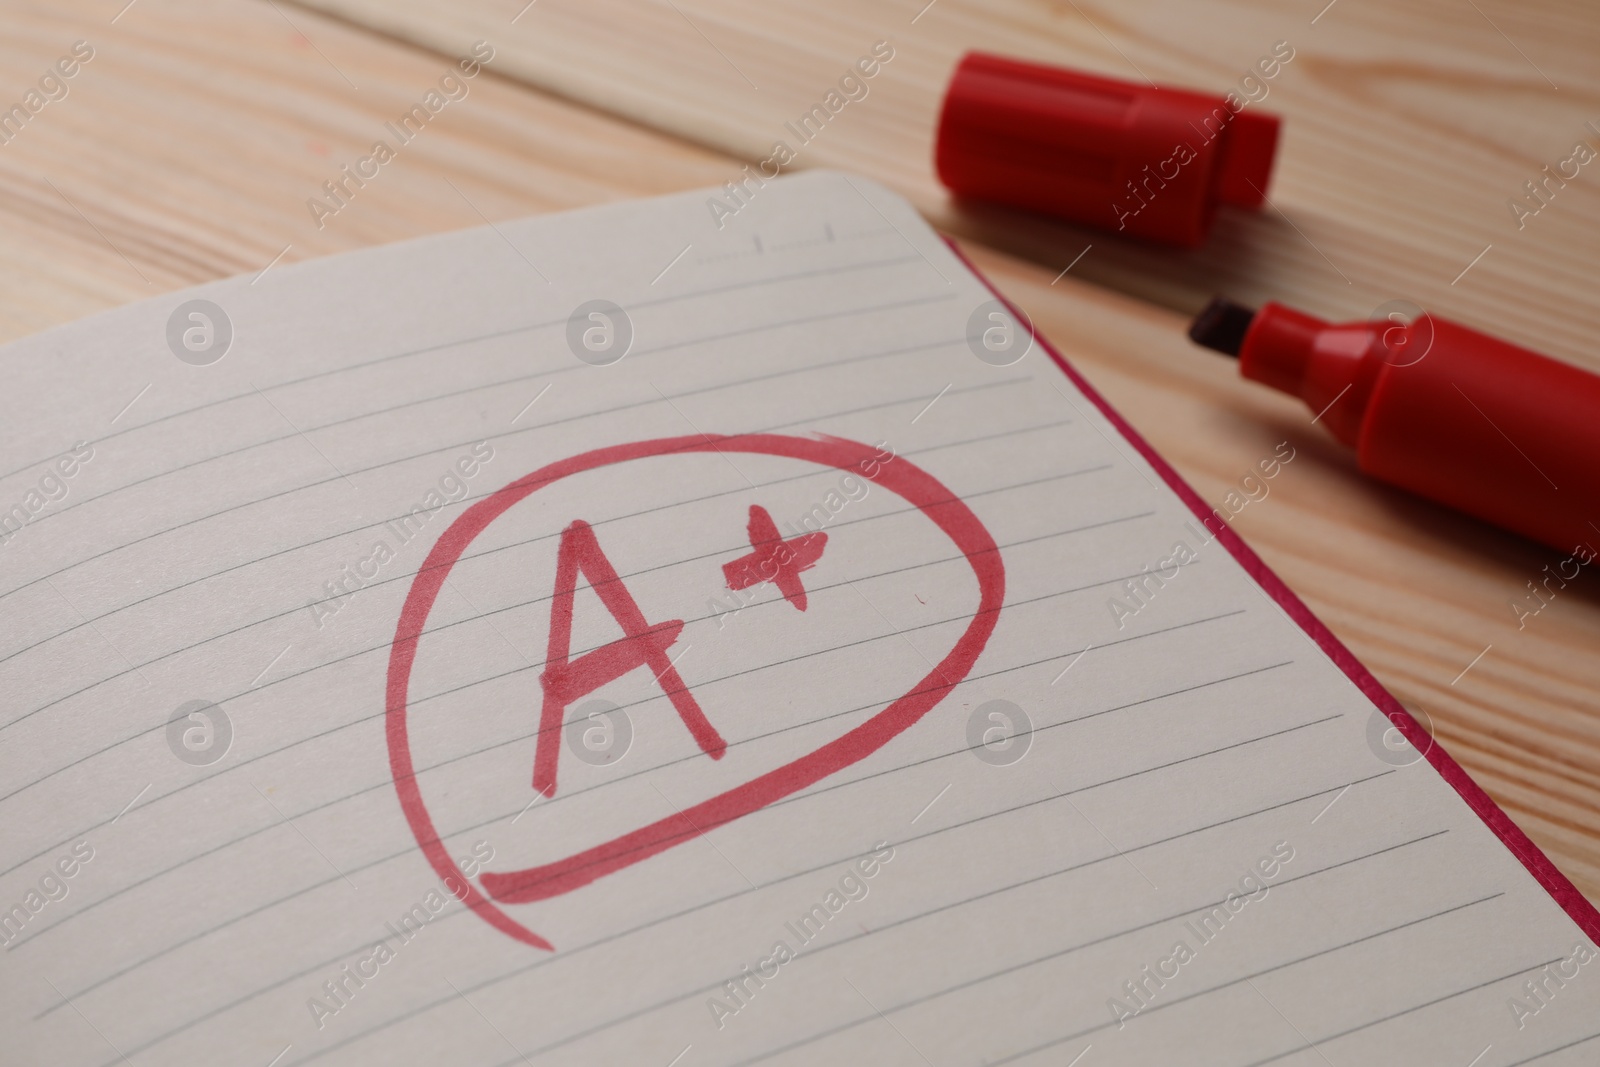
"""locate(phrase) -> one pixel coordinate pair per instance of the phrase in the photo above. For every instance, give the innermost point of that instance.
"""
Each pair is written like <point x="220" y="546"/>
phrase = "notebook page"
<point x="614" y="638"/>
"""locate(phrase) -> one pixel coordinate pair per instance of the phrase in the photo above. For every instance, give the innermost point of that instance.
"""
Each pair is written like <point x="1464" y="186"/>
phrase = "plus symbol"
<point x="772" y="559"/>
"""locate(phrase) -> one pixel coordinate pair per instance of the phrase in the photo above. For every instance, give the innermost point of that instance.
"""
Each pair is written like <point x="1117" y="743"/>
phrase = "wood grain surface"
<point x="187" y="147"/>
<point x="1407" y="126"/>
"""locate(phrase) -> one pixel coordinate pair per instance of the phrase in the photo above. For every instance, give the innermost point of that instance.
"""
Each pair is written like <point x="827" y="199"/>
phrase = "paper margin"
<point x="1558" y="885"/>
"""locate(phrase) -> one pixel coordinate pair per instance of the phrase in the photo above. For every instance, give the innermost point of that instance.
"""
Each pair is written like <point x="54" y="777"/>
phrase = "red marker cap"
<point x="1152" y="163"/>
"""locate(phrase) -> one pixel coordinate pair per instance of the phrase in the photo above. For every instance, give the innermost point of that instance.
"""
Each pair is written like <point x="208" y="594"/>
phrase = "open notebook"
<point x="612" y="638"/>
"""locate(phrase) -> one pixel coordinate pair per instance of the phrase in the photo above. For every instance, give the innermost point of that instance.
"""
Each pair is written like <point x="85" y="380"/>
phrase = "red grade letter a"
<point x="565" y="680"/>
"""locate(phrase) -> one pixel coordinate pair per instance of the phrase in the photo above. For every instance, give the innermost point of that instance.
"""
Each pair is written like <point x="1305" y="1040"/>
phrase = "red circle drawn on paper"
<point x="913" y="484"/>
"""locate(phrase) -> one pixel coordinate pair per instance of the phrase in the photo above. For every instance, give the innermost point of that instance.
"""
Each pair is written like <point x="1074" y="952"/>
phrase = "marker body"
<point x="1449" y="413"/>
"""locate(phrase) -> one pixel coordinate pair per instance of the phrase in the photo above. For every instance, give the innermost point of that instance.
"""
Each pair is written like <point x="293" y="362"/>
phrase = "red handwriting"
<point x="916" y="486"/>
<point x="565" y="680"/>
<point x="774" y="559"/>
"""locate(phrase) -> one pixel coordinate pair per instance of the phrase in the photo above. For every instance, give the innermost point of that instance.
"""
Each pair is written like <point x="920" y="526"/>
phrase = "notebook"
<point x="681" y="635"/>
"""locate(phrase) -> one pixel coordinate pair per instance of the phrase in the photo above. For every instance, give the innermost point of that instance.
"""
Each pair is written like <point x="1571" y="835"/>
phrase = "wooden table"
<point x="188" y="146"/>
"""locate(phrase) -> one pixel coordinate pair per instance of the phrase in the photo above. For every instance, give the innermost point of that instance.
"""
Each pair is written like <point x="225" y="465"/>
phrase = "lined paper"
<point x="980" y="887"/>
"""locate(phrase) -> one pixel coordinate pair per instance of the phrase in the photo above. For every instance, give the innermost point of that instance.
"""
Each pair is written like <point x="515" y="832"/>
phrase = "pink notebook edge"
<point x="1559" y="886"/>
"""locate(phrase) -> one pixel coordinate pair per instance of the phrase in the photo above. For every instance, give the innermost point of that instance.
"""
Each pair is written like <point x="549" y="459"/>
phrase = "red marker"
<point x="1449" y="413"/>
<point x="1134" y="159"/>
